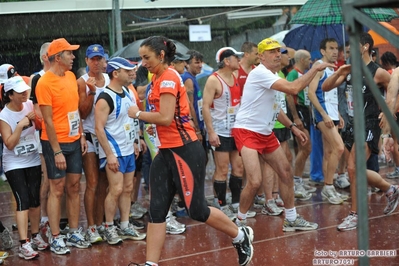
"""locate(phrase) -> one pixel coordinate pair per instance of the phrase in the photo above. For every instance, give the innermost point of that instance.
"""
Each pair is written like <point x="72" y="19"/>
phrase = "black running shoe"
<point x="244" y="247"/>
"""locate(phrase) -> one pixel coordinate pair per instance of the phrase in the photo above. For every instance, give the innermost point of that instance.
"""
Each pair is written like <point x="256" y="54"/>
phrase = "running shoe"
<point x="331" y="195"/>
<point x="392" y="201"/>
<point x="137" y="225"/>
<point x="270" y="208"/>
<point x="57" y="245"/>
<point x="92" y="235"/>
<point x="76" y="239"/>
<point x="250" y="214"/>
<point x="259" y="201"/>
<point x="308" y="188"/>
<point x="227" y="211"/>
<point x="239" y="222"/>
<point x="279" y="201"/>
<point x="26" y="251"/>
<point x="173" y="227"/>
<point x="342" y="182"/>
<point x="112" y="236"/>
<point x="244" y="247"/>
<point x="4" y="254"/>
<point x="6" y="239"/>
<point x="38" y="243"/>
<point x="394" y="174"/>
<point x="299" y="224"/>
<point x="130" y="233"/>
<point x="300" y="192"/>
<point x="349" y="223"/>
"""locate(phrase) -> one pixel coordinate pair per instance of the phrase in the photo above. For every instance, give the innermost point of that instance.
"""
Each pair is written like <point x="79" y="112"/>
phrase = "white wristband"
<point x="138" y="114"/>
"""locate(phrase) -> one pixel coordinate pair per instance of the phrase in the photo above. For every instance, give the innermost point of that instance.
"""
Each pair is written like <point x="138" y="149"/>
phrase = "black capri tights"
<point x="25" y="185"/>
<point x="180" y="170"/>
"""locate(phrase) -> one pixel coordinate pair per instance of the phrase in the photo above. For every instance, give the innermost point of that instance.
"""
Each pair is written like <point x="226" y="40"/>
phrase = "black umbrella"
<point x="131" y="51"/>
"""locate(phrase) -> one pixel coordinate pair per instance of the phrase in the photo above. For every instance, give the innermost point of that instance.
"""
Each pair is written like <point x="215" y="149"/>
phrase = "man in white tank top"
<point x="90" y="86"/>
<point x="327" y="119"/>
<point x="221" y="101"/>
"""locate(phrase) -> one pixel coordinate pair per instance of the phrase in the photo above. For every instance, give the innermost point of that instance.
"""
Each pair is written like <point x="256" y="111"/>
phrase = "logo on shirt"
<point x="168" y="84"/>
<point x="348" y="78"/>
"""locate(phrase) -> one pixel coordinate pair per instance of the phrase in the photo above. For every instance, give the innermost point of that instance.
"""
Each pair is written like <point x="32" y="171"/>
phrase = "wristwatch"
<point x="138" y="114"/>
<point x="293" y="125"/>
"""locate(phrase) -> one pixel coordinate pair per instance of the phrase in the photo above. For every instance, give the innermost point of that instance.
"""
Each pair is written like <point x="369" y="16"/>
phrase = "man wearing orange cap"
<point x="253" y="132"/>
<point x="63" y="142"/>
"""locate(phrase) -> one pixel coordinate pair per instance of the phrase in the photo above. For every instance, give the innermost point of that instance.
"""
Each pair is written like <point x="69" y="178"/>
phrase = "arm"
<point x="47" y="112"/>
<point x="101" y="113"/>
<point x="141" y="91"/>
<point x="337" y="78"/>
<point x="299" y="84"/>
<point x="294" y="112"/>
<point x="210" y="92"/>
<point x="11" y="139"/>
<point x="313" y="99"/>
<point x="283" y="118"/>
<point x="165" y="115"/>
<point x="86" y="100"/>
<point x="391" y="86"/>
<point x="188" y="84"/>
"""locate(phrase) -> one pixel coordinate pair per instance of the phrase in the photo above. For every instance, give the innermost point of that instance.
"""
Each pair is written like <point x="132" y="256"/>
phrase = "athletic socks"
<point x="220" y="190"/>
<point x="235" y="184"/>
<point x="290" y="214"/>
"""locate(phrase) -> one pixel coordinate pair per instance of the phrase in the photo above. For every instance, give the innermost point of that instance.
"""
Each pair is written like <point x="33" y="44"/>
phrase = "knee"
<point x="128" y="188"/>
<point x="115" y="191"/>
<point x="253" y="183"/>
<point x="202" y="215"/>
<point x="73" y="189"/>
<point x="91" y="183"/>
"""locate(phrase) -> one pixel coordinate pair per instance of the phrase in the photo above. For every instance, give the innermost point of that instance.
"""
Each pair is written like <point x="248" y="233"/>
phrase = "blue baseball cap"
<point x="119" y="62"/>
<point x="95" y="50"/>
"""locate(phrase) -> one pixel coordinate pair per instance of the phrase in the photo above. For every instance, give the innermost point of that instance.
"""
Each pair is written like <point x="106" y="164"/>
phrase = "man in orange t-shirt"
<point x="63" y="142"/>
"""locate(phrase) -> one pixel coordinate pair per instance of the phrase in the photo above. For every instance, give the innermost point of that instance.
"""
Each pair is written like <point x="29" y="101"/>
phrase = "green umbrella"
<point x="326" y="12"/>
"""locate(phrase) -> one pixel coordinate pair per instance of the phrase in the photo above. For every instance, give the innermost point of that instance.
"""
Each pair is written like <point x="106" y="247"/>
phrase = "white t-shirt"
<point x="260" y="104"/>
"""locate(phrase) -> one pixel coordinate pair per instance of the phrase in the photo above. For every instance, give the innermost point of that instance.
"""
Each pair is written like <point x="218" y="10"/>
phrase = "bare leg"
<point x="72" y="186"/>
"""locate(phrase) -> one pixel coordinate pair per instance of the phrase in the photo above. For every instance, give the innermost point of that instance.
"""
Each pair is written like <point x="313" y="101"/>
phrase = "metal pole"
<point x="118" y="26"/>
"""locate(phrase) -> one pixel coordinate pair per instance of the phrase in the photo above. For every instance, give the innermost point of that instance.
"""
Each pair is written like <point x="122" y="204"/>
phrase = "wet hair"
<point x="160" y="43"/>
<point x="389" y="58"/>
<point x="366" y="38"/>
<point x="246" y="47"/>
<point x="195" y="55"/>
<point x="323" y="44"/>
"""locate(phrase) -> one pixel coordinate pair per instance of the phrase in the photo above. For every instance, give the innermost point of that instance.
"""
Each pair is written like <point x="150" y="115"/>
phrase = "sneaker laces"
<point x="28" y="246"/>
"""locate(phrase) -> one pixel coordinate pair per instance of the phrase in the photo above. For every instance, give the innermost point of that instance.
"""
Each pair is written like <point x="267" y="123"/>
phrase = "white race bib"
<point x="349" y="100"/>
<point x="95" y="142"/>
<point x="231" y="116"/>
<point x="199" y="103"/>
<point x="26" y="146"/>
<point x="306" y="96"/>
<point x="73" y="120"/>
<point x="129" y="133"/>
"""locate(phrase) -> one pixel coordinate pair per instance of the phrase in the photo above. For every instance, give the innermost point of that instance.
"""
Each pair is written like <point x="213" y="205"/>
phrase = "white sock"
<point x="329" y="186"/>
<point x="150" y="263"/>
<point x="124" y="225"/>
<point x="239" y="236"/>
<point x="241" y="216"/>
<point x="44" y="219"/>
<point x="290" y="214"/>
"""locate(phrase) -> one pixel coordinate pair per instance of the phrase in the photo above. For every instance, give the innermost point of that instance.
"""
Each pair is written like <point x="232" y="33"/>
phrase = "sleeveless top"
<point x="88" y="123"/>
<point x="197" y="98"/>
<point x="224" y="108"/>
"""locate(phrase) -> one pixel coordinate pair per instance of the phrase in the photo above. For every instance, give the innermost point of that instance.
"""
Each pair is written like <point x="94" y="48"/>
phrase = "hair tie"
<point x="164" y="42"/>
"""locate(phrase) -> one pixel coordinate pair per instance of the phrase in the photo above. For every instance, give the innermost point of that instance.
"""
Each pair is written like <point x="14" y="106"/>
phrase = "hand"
<point x="60" y="162"/>
<point x="113" y="163"/>
<point x="344" y="70"/>
<point x="136" y="150"/>
<point x="199" y="136"/>
<point x="25" y="122"/>
<point x="143" y="146"/>
<point x="150" y="130"/>
<point x="300" y="135"/>
<point x="328" y="121"/>
<point x="83" y="145"/>
<point x="322" y="66"/>
<point x="214" y="139"/>
<point x="299" y="123"/>
<point x="31" y="116"/>
<point x="91" y="83"/>
<point x="132" y="111"/>
<point x="387" y="148"/>
<point x="341" y="123"/>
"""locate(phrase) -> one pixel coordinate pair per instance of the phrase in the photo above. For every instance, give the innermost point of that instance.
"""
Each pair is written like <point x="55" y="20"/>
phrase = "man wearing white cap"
<point x="221" y="101"/>
<point x="63" y="143"/>
<point x="260" y="108"/>
<point x="116" y="134"/>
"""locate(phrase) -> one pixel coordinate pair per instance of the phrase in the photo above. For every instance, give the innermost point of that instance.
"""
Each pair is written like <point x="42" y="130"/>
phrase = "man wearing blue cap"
<point x="90" y="85"/>
<point x="116" y="134"/>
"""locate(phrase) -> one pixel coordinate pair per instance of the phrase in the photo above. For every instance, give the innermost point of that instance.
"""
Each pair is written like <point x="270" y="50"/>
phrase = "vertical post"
<point x="118" y="26"/>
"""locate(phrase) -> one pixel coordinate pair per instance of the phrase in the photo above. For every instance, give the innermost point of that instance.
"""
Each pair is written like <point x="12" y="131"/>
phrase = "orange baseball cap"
<point x="59" y="45"/>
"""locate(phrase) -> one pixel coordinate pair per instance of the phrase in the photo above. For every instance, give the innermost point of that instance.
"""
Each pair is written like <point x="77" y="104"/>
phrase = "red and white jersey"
<point x="260" y="104"/>
<point x="224" y="108"/>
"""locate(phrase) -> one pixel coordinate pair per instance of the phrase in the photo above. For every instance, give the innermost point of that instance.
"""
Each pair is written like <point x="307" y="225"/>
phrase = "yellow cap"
<point x="268" y="44"/>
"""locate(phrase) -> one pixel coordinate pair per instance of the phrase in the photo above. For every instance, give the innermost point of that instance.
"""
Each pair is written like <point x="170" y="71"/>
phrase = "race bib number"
<point x="73" y="120"/>
<point x="96" y="144"/>
<point x="129" y="133"/>
<point x="283" y="103"/>
<point x="199" y="103"/>
<point x="26" y="146"/>
<point x="137" y="131"/>
<point x="231" y="116"/>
